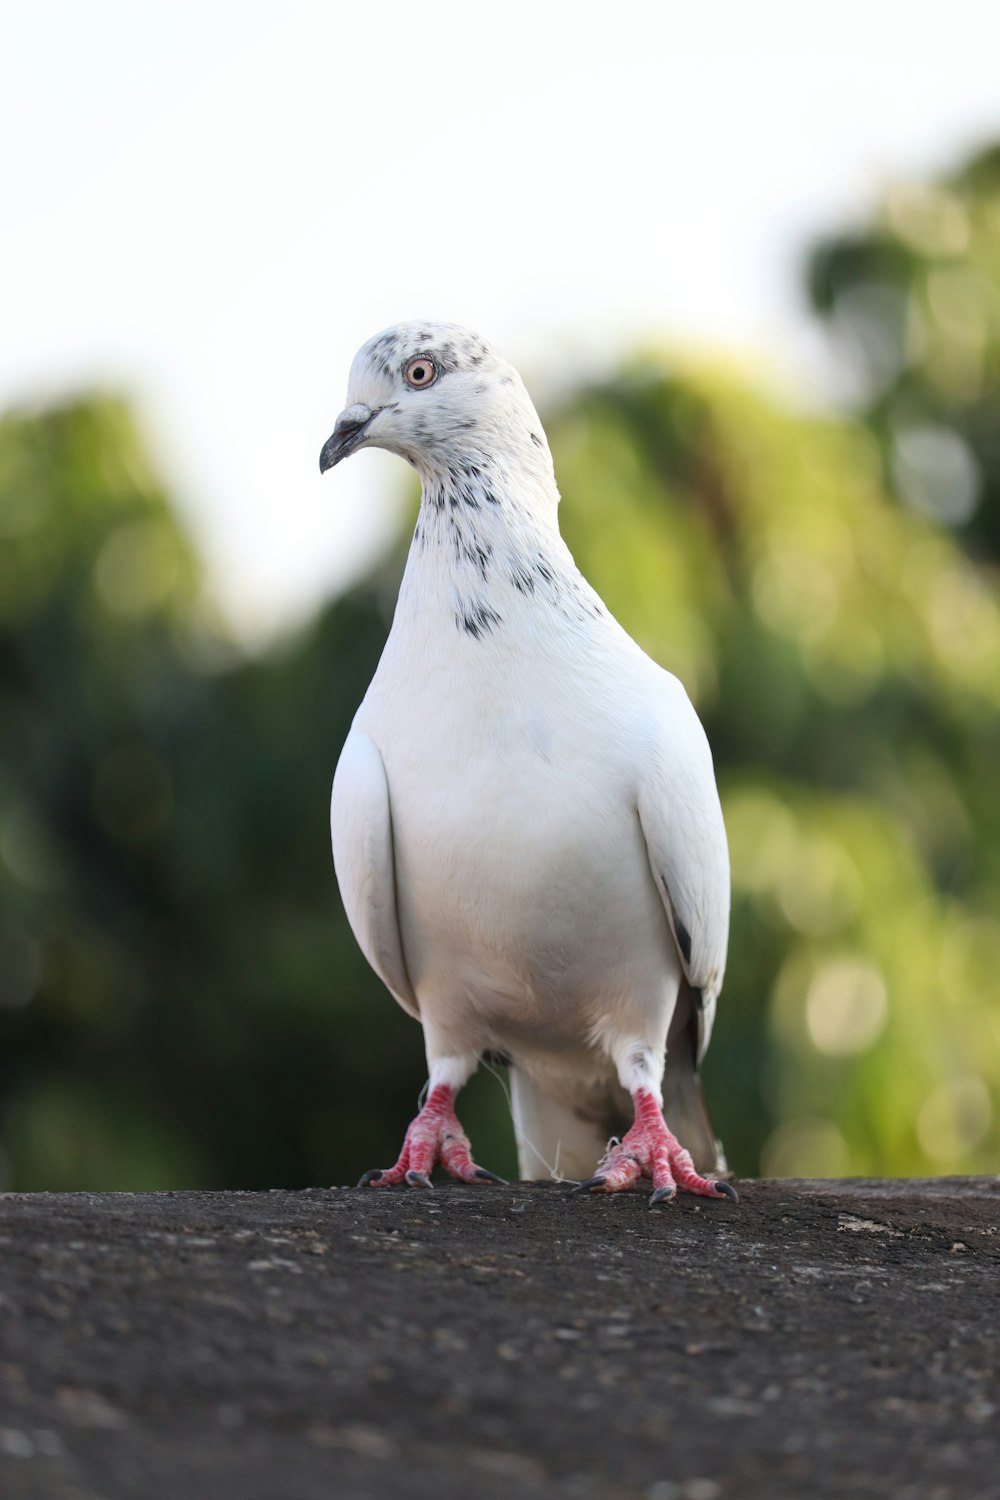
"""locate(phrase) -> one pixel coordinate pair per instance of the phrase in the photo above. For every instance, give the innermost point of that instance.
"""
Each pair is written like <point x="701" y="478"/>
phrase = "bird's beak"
<point x="346" y="436"/>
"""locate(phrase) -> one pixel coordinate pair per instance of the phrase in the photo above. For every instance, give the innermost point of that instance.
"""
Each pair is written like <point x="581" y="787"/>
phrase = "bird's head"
<point x="440" y="397"/>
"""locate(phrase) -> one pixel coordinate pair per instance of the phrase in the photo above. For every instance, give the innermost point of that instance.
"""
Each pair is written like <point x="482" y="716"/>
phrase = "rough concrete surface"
<point x="818" y="1339"/>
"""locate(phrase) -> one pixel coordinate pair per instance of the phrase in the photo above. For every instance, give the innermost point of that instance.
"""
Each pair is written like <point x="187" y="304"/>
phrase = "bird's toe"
<point x="591" y="1184"/>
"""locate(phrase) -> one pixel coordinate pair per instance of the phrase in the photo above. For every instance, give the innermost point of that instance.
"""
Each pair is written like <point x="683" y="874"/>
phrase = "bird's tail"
<point x="554" y="1140"/>
<point x="684" y="1104"/>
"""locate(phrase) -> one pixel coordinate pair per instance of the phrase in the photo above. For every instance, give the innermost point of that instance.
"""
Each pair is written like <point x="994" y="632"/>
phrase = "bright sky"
<point x="212" y="205"/>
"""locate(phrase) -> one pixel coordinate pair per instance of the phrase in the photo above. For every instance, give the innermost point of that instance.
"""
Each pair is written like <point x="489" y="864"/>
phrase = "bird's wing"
<point x="361" y="825"/>
<point x="686" y="842"/>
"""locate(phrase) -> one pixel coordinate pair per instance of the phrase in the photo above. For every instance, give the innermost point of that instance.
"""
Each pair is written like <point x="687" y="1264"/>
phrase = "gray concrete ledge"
<point x="820" y="1339"/>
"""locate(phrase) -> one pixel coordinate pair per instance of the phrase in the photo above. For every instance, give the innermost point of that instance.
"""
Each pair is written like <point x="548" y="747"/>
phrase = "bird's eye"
<point x="420" y="372"/>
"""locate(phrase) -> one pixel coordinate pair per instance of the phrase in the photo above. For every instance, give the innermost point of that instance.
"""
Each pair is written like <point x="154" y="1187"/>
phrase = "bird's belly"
<point x="527" y="906"/>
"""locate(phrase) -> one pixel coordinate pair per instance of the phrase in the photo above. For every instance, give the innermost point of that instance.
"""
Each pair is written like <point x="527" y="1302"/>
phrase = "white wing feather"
<point x="681" y="820"/>
<point x="361" y="825"/>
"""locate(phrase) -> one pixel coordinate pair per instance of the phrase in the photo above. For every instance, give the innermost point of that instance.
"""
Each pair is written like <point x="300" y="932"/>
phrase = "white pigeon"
<point x="526" y="827"/>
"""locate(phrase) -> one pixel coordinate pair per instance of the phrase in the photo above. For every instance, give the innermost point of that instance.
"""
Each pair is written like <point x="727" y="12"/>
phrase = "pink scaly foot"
<point x="435" y="1135"/>
<point x="650" y="1149"/>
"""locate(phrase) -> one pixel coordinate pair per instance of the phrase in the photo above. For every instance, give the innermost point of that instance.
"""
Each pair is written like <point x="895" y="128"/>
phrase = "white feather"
<point x="362" y="852"/>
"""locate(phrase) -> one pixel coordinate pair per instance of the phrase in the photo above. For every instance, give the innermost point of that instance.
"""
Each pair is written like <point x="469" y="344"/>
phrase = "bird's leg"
<point x="650" y="1149"/>
<point x="434" y="1136"/>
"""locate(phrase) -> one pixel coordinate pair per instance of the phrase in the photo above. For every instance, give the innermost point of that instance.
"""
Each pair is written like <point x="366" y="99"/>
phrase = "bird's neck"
<point x="487" y="551"/>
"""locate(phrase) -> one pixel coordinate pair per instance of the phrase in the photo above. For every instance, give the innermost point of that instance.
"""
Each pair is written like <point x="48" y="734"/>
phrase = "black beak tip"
<point x="328" y="455"/>
<point x="345" y="438"/>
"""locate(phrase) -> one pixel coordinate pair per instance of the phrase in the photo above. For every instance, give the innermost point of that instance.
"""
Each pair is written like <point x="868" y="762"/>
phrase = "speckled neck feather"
<point x="494" y="553"/>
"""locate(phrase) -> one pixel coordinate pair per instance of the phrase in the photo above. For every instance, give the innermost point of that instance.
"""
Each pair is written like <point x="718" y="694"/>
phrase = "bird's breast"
<point x="523" y="883"/>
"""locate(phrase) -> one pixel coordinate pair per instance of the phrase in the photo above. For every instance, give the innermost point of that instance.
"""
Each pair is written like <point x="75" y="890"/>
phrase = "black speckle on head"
<point x="543" y="571"/>
<point x="536" y="440"/>
<point x="451" y="348"/>
<point x="383" y="353"/>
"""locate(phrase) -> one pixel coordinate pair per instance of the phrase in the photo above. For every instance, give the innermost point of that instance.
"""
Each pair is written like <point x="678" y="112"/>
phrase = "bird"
<point x="527" y="833"/>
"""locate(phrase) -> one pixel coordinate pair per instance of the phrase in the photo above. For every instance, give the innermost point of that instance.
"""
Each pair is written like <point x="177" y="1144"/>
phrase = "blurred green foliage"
<point x="913" y="305"/>
<point x="181" y="1000"/>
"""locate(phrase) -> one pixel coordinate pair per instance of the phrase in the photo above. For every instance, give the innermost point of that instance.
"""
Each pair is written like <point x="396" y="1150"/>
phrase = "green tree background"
<point x="181" y="1000"/>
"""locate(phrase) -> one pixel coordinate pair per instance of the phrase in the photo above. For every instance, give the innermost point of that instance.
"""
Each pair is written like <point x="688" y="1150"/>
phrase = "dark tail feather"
<point x="683" y="1101"/>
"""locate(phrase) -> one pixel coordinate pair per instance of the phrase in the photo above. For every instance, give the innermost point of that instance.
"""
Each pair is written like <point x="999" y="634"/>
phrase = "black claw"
<point x="726" y="1190"/>
<point x="419" y="1179"/>
<point x="586" y="1187"/>
<point x="662" y="1195"/>
<point x="372" y="1176"/>
<point x="485" y="1176"/>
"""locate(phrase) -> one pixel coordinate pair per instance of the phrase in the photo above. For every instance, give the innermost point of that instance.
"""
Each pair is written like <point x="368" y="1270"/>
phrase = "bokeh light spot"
<point x="964" y="304"/>
<point x="136" y="568"/>
<point x="819" y="890"/>
<point x="955" y="1118"/>
<point x="931" y="220"/>
<point x="935" y="473"/>
<point x="846" y="1006"/>
<point x="762" y="839"/>
<point x="795" y="594"/>
<point x="870" y="328"/>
